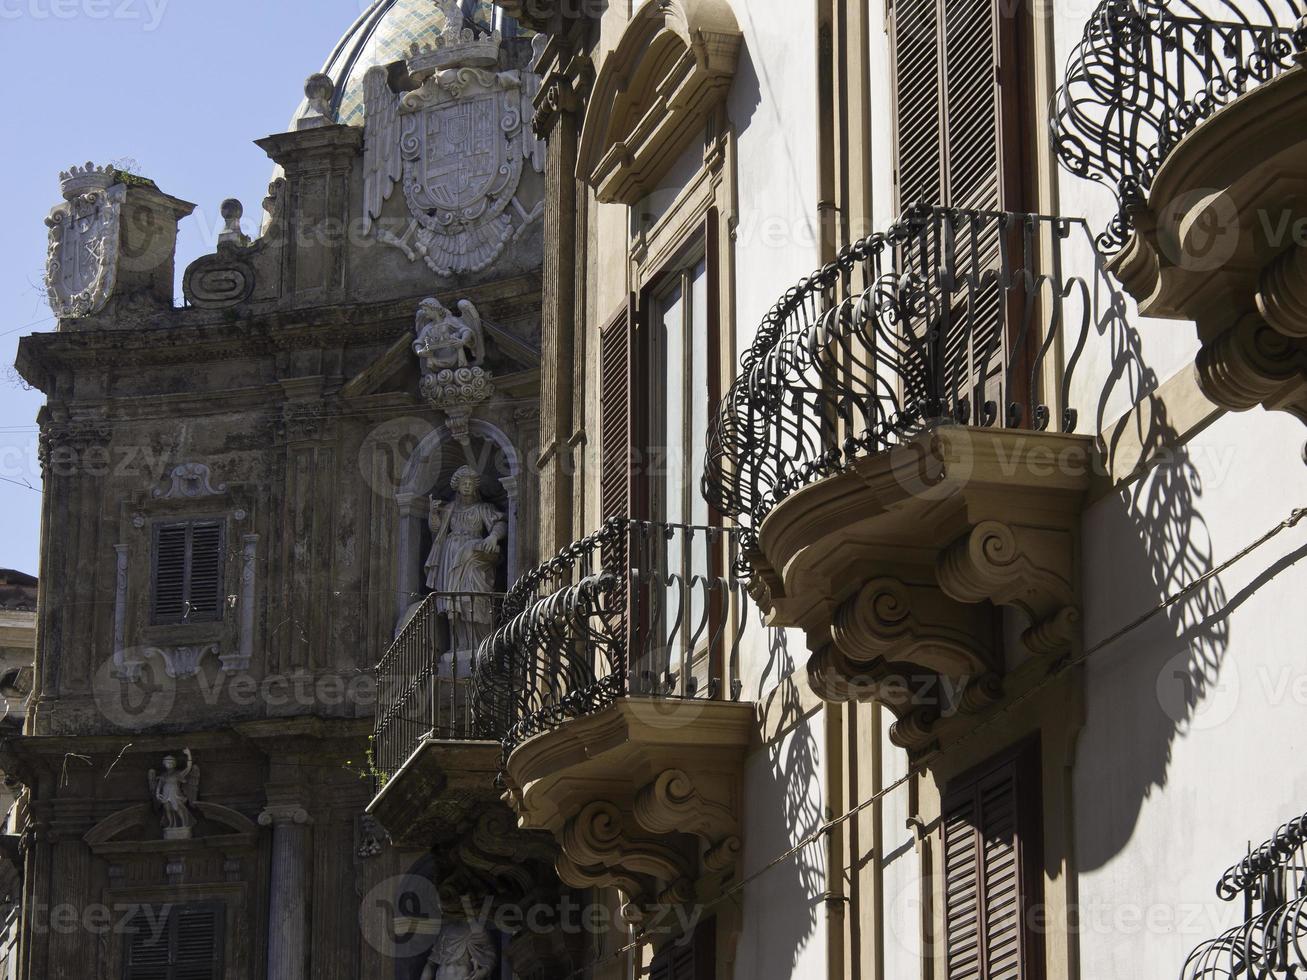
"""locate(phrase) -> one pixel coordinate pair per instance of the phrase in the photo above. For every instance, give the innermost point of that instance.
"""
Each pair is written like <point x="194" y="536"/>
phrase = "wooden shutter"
<point x="169" y="573"/>
<point x="186" y="572"/>
<point x="692" y="959"/>
<point x="989" y="845"/>
<point x="205" y="584"/>
<point x="616" y="409"/>
<point x="971" y="109"/>
<point x="918" y="170"/>
<point x="180" y="942"/>
<point x="946" y="94"/>
<point x="198" y="942"/>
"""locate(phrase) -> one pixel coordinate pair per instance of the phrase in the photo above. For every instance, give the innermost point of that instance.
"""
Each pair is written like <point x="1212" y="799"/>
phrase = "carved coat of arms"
<point x="82" y="260"/>
<point x="457" y="145"/>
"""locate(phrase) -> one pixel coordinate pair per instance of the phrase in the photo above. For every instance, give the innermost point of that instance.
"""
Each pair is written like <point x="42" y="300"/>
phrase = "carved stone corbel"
<point x="896" y="569"/>
<point x="600" y="847"/>
<point x="1253" y="364"/>
<point x="1015" y="565"/>
<point x="643" y="797"/>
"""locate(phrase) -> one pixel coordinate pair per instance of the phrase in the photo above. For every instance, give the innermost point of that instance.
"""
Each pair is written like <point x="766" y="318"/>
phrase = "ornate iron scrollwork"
<point x="949" y="317"/>
<point x="1147" y="73"/>
<point x="639" y="608"/>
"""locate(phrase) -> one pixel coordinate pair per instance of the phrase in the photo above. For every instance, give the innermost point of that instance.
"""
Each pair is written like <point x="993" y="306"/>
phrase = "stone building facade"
<point x="241" y="486"/>
<point x="816" y="490"/>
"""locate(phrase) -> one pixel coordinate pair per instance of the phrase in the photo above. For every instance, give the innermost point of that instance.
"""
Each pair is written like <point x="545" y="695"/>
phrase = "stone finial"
<point x="318" y="89"/>
<point x="232" y="210"/>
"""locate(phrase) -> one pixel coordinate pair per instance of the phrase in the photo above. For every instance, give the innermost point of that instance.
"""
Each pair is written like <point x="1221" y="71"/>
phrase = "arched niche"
<point x="428" y="471"/>
<point x="671" y="68"/>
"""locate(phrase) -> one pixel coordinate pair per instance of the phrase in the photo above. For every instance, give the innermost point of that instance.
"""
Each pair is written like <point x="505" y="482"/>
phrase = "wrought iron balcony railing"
<point x="424" y="687"/>
<point x="950" y="316"/>
<point x="639" y="609"/>
<point x="1147" y="72"/>
<point x="1272" y="942"/>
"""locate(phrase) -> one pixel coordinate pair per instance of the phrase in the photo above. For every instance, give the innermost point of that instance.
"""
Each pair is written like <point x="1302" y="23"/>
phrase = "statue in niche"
<point x="451" y="349"/>
<point x="174" y="791"/>
<point x="466" y="538"/>
<point x="462" y="951"/>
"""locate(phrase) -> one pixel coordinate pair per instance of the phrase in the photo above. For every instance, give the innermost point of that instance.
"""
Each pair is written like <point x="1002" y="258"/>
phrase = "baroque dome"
<point x="383" y="34"/>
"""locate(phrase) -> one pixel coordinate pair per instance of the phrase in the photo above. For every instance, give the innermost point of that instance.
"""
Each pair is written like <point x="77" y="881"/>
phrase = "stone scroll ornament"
<point x="457" y="144"/>
<point x="82" y="261"/>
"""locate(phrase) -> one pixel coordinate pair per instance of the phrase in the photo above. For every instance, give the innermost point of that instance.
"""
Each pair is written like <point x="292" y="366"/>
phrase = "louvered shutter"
<point x="198" y="942"/>
<point x="985" y="898"/>
<point x="148" y="945"/>
<point x="186" y="572"/>
<point x="169" y="573"/>
<point x="950" y="131"/>
<point x="917" y="106"/>
<point x="616" y="441"/>
<point x="179" y="942"/>
<point x="694" y="959"/>
<point x="205" y="582"/>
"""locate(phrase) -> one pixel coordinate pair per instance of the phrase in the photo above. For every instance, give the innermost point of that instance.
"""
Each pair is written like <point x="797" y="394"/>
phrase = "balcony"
<point x="615" y="681"/>
<point x="435" y="762"/>
<point x="901" y="451"/>
<point x="1271" y="882"/>
<point x="1197" y="125"/>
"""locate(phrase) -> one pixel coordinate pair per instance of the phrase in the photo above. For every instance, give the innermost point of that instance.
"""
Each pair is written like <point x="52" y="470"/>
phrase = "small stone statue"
<point x="174" y="791"/>
<point x="445" y="341"/>
<point x="463" y="951"/>
<point x="466" y="534"/>
<point x="451" y="350"/>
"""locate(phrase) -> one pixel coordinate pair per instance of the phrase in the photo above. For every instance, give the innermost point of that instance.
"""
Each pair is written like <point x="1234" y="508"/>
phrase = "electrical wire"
<point x="1055" y="671"/>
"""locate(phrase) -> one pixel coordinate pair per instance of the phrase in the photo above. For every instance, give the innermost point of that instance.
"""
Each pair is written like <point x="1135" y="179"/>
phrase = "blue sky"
<point x="180" y="87"/>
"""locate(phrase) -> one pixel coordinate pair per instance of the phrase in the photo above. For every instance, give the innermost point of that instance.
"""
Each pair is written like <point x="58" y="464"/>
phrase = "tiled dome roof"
<point x="383" y="34"/>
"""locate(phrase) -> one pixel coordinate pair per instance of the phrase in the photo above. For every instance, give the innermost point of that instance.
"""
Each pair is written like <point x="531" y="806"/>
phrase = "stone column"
<point x="287" y="896"/>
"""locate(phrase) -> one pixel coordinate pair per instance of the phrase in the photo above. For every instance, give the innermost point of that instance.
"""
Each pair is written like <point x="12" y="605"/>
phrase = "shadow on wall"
<point x="1143" y="545"/>
<point x="788" y="770"/>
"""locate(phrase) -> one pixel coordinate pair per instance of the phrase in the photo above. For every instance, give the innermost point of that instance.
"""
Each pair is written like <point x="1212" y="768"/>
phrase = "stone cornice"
<point x="199" y="336"/>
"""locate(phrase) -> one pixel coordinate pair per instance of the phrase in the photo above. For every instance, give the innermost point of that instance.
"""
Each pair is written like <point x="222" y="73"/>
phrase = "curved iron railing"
<point x="424" y="688"/>
<point x="1147" y="72"/>
<point x="950" y="316"/>
<point x="1272" y="942"/>
<point x="638" y="609"/>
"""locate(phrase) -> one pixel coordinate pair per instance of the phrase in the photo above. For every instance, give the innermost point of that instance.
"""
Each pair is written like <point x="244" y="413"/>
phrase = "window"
<point x="964" y="137"/>
<point x="991" y="845"/>
<point x="187" y="572"/>
<point x="676" y="422"/>
<point x="176" y="942"/>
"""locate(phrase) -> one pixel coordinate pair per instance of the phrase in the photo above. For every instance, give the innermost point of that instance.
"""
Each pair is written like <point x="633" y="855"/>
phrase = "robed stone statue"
<point x="467" y="534"/>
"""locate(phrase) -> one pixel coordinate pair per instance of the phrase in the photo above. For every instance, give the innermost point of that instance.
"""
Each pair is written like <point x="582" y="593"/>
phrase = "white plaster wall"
<point x="773" y="107"/>
<point x="903" y="884"/>
<point x="783" y="929"/>
<point x="1194" y="721"/>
